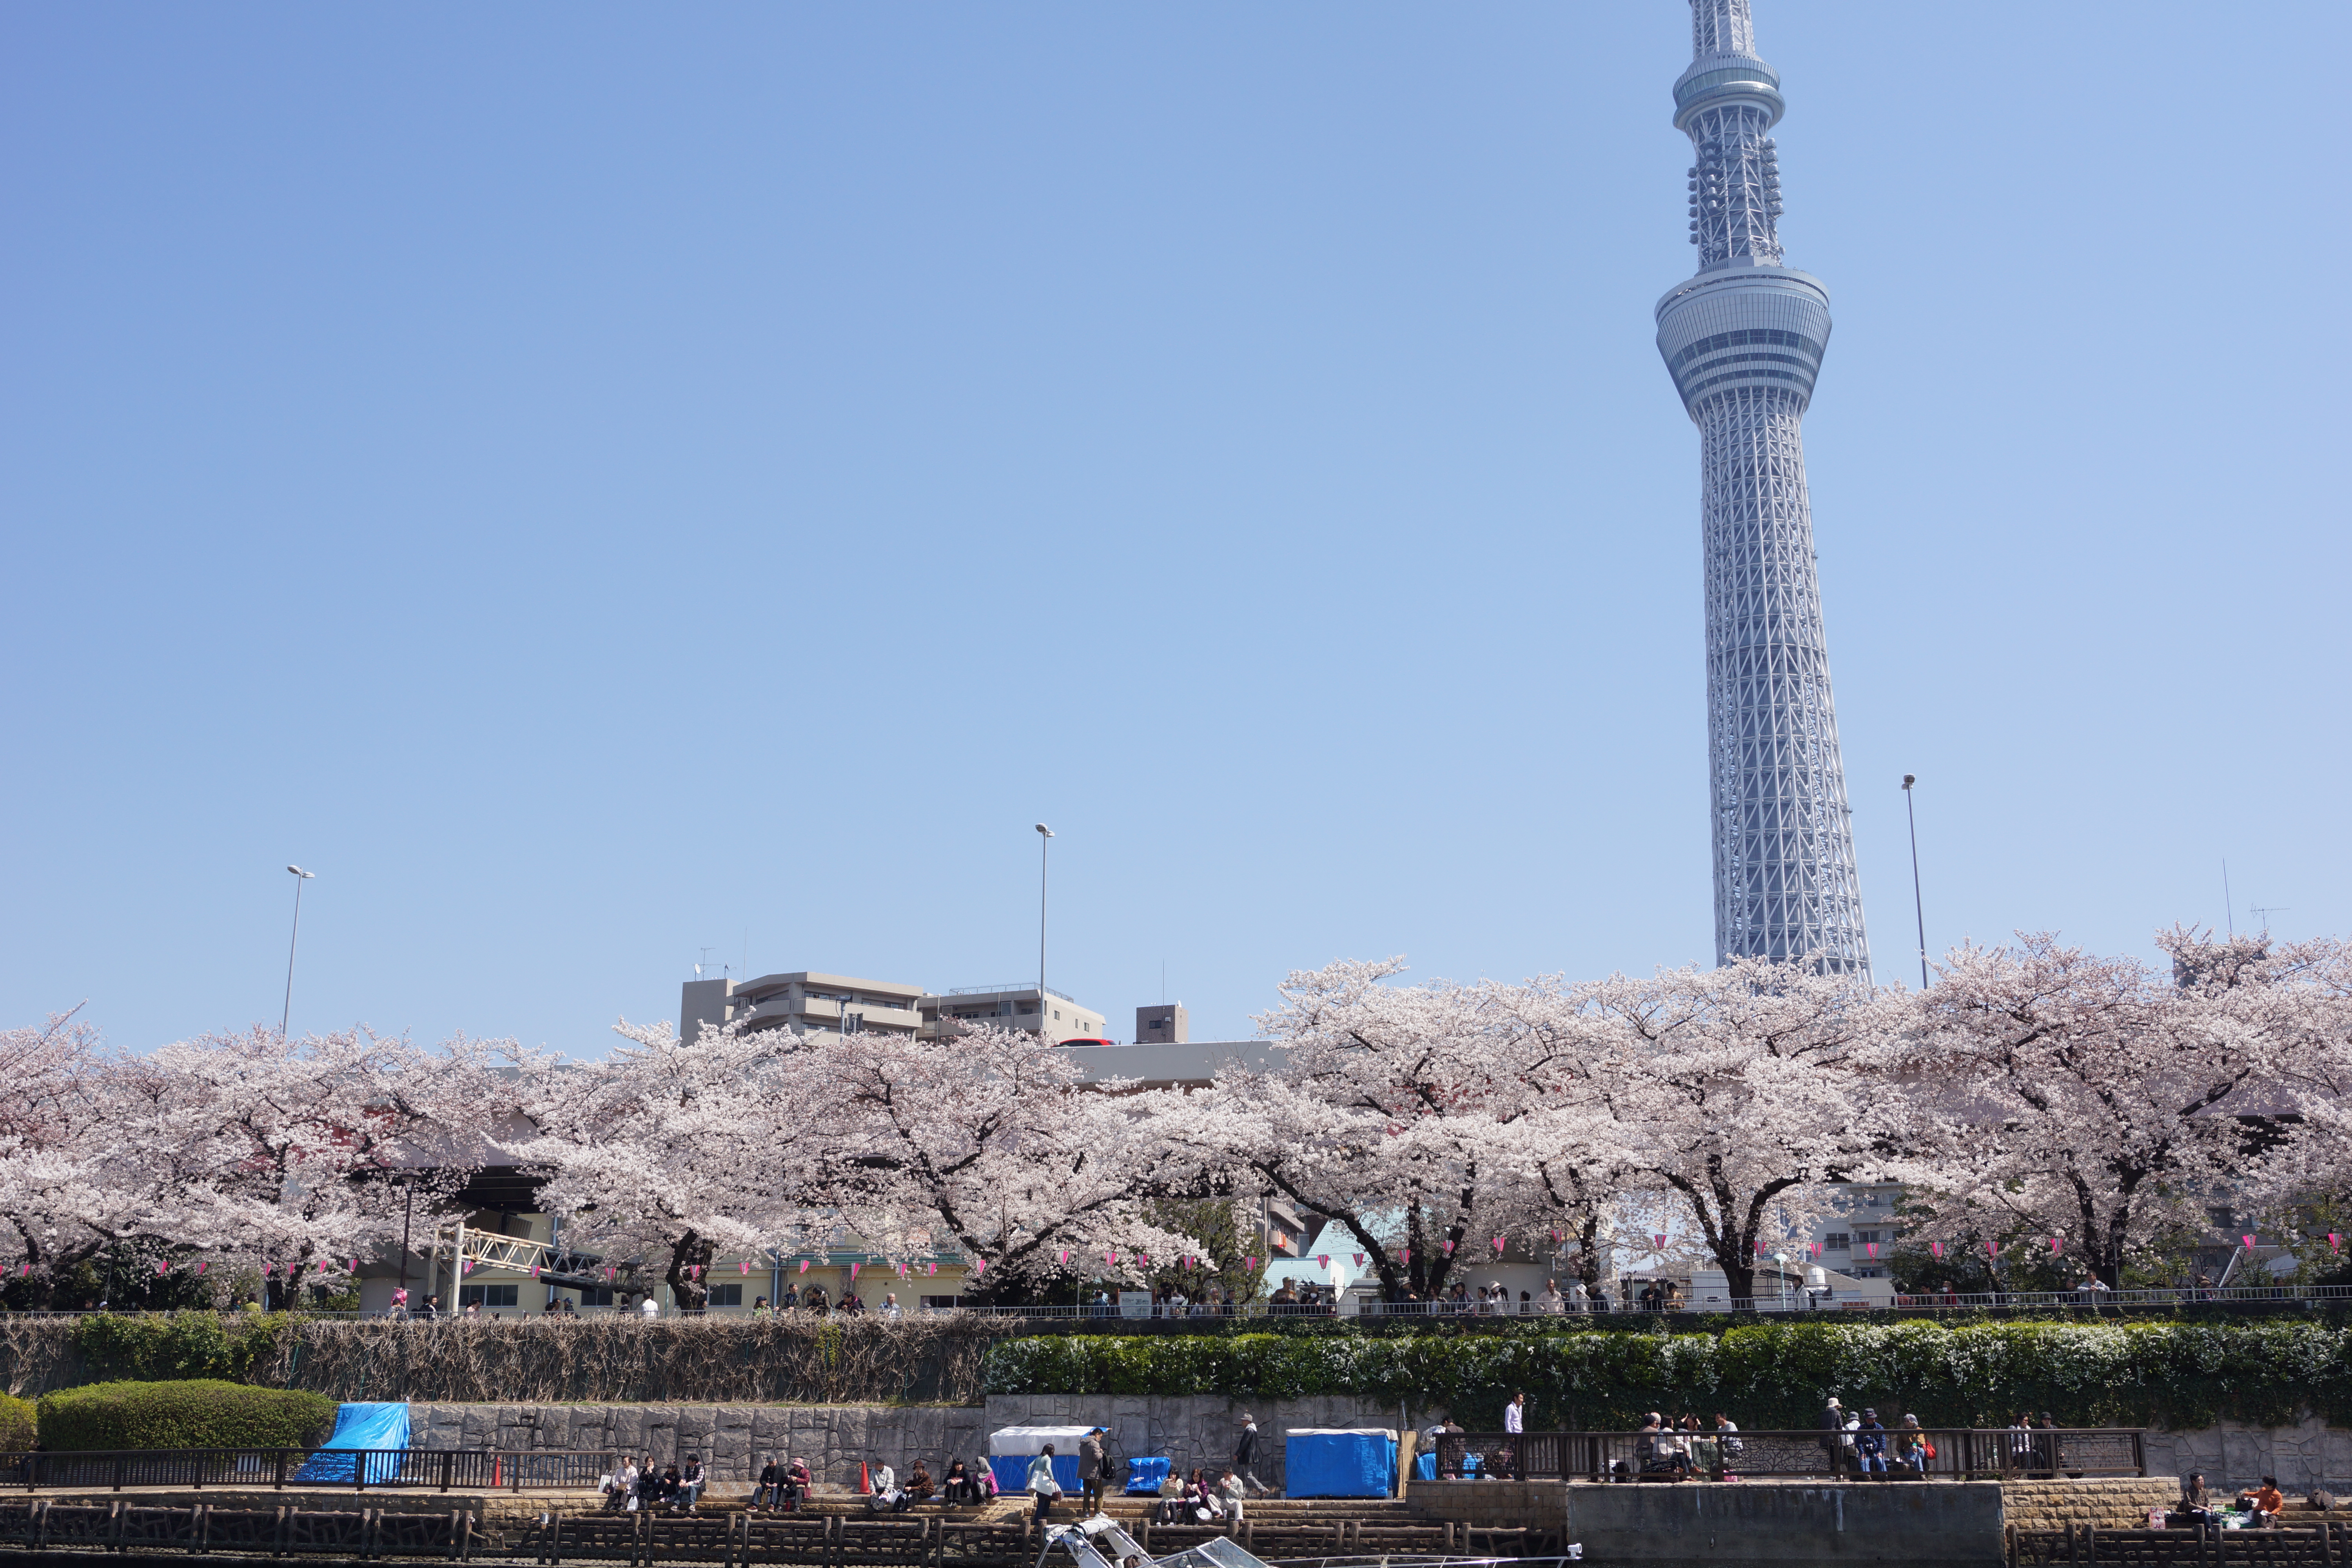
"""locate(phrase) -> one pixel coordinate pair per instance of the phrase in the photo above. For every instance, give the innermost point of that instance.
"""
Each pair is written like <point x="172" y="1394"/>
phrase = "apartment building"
<point x="1055" y="1014"/>
<point x="805" y="1002"/>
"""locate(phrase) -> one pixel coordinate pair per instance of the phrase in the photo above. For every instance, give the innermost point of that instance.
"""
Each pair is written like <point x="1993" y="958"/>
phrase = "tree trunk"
<point x="689" y="1272"/>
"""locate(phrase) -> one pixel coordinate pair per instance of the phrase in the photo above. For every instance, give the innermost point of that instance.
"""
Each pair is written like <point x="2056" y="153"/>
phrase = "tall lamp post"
<point x="1044" y="835"/>
<point x="1917" y="908"/>
<point x="300" y="877"/>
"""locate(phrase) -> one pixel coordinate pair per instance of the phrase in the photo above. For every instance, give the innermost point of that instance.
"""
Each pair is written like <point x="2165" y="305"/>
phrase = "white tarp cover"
<point x="1007" y="1440"/>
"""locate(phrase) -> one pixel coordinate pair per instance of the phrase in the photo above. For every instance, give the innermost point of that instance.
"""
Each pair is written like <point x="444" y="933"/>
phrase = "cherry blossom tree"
<point x="2104" y="1104"/>
<point x="667" y="1152"/>
<point x="1751" y="1089"/>
<point x="1389" y="1117"/>
<point x="992" y="1143"/>
<point x="241" y="1149"/>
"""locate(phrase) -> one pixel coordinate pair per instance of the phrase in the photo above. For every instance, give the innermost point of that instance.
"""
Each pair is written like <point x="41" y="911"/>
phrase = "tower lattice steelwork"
<point x="1743" y="340"/>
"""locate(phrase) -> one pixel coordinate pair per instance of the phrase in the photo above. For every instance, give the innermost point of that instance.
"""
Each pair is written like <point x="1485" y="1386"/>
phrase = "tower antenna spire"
<point x="1743" y="340"/>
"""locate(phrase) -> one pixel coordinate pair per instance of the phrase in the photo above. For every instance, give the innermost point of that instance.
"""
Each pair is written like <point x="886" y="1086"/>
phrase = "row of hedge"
<point x="1764" y="1376"/>
<point x="192" y="1413"/>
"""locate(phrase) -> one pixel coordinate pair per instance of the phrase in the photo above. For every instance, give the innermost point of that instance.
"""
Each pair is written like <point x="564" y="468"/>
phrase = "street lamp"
<point x="300" y="877"/>
<point x="1780" y="1272"/>
<point x="1917" y="908"/>
<point x="1044" y="835"/>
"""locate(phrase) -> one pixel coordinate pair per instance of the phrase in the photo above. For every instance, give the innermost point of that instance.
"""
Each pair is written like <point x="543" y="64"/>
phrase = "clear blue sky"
<point x="598" y="482"/>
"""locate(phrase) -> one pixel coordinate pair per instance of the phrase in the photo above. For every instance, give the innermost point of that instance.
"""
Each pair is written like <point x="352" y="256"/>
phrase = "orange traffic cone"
<point x="865" y="1484"/>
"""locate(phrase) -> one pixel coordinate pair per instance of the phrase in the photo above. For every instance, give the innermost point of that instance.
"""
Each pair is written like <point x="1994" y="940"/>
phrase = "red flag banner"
<point x="1447" y="1244"/>
<point x="1661" y="1241"/>
<point x="979" y="1265"/>
<point x="1936" y="1247"/>
<point x="2249" y="1241"/>
<point x="1870" y="1248"/>
<point x="1249" y="1262"/>
<point x="1358" y="1257"/>
<point x="2057" y="1245"/>
<point x="1322" y="1260"/>
<point x="1498" y="1244"/>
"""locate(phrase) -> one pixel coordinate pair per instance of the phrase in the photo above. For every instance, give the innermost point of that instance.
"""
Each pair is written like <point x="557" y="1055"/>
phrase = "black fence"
<point x="441" y="1469"/>
<point x="1947" y="1454"/>
<point x="2328" y="1544"/>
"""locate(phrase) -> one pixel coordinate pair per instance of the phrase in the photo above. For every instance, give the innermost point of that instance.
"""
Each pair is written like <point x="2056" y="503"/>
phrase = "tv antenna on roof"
<point x="2263" y="912"/>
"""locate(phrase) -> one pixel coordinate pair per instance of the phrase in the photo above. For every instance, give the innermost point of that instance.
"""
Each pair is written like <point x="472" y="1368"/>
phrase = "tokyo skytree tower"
<point x="1743" y="340"/>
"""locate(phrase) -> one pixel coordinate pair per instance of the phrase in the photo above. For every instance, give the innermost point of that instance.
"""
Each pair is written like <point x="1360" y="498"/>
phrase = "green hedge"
<point x="1764" y="1376"/>
<point x="198" y="1413"/>
<point x="16" y="1424"/>
<point x="166" y="1346"/>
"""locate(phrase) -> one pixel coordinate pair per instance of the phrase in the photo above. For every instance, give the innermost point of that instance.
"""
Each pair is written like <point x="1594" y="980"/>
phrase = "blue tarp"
<point x="1144" y="1476"/>
<point x="371" y="1426"/>
<point x="1010" y="1449"/>
<point x="1012" y="1471"/>
<point x="1424" y="1466"/>
<point x="1336" y="1462"/>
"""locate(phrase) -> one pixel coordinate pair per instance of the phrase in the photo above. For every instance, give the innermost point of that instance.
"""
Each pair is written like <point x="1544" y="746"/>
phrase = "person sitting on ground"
<point x="2196" y="1503"/>
<point x="1170" y="1509"/>
<point x="956" y="1485"/>
<point x="1911" y="1447"/>
<point x="691" y="1481"/>
<point x="919" y="1486"/>
<point x="1203" y="1499"/>
<point x="1870" y="1444"/>
<point x="653" y="1488"/>
<point x="887" y="1498"/>
<point x="799" y="1482"/>
<point x="2264" y="1501"/>
<point x="623" y="1486"/>
<point x="770" y="1486"/>
<point x="1230" y="1492"/>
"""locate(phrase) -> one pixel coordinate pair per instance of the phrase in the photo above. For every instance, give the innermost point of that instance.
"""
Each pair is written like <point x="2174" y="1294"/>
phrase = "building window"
<point x="726" y="1295"/>
<point x="1837" y="1241"/>
<point x="1866" y="1235"/>
<point x="941" y="1301"/>
<point x="488" y="1295"/>
<point x="596" y="1296"/>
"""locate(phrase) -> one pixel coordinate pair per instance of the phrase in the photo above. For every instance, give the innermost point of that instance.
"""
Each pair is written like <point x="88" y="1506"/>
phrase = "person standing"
<point x="1093" y="1464"/>
<point x="1515" y="1424"/>
<point x="1042" y="1484"/>
<point x="650" y="1307"/>
<point x="1246" y="1451"/>
<point x="1833" y="1436"/>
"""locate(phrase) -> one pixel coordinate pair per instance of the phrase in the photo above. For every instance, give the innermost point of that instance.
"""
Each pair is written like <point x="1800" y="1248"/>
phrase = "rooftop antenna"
<point x="2263" y="912"/>
<point x="705" y="964"/>
<point x="2226" y="913"/>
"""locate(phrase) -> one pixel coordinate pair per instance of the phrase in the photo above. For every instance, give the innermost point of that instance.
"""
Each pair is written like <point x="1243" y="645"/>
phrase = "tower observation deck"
<point x="1743" y="340"/>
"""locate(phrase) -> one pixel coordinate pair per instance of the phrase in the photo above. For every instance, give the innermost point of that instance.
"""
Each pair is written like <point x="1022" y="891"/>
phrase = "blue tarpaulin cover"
<point x="1321" y="1461"/>
<point x="376" y="1427"/>
<point x="1010" y="1449"/>
<point x="1144" y="1476"/>
<point x="1424" y="1466"/>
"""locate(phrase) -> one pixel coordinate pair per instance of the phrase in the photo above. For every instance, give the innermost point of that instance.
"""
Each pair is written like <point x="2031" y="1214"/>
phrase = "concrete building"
<point x="1161" y="1025"/>
<point x="1013" y="1006"/>
<point x="804" y="1002"/>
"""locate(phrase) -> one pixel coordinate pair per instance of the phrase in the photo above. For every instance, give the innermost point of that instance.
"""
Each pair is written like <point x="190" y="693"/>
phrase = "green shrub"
<point x="164" y="1346"/>
<point x="15" y="1423"/>
<point x="197" y="1412"/>
<point x="1765" y="1375"/>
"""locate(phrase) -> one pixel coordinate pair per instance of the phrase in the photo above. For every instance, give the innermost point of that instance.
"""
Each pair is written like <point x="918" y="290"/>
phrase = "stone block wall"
<point x="2233" y="1455"/>
<point x="731" y="1439"/>
<point x="2109" y="1502"/>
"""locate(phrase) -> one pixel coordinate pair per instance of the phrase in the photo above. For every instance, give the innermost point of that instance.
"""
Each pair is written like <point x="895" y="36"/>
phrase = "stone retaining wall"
<point x="2110" y="1502"/>
<point x="2233" y="1455"/>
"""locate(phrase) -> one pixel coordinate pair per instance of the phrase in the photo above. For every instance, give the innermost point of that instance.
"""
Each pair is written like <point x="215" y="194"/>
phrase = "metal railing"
<point x="469" y="1470"/>
<point x="1942" y="1453"/>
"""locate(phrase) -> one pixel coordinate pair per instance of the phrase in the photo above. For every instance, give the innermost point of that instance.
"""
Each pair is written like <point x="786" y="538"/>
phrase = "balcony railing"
<point x="440" y="1469"/>
<point x="1951" y="1453"/>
